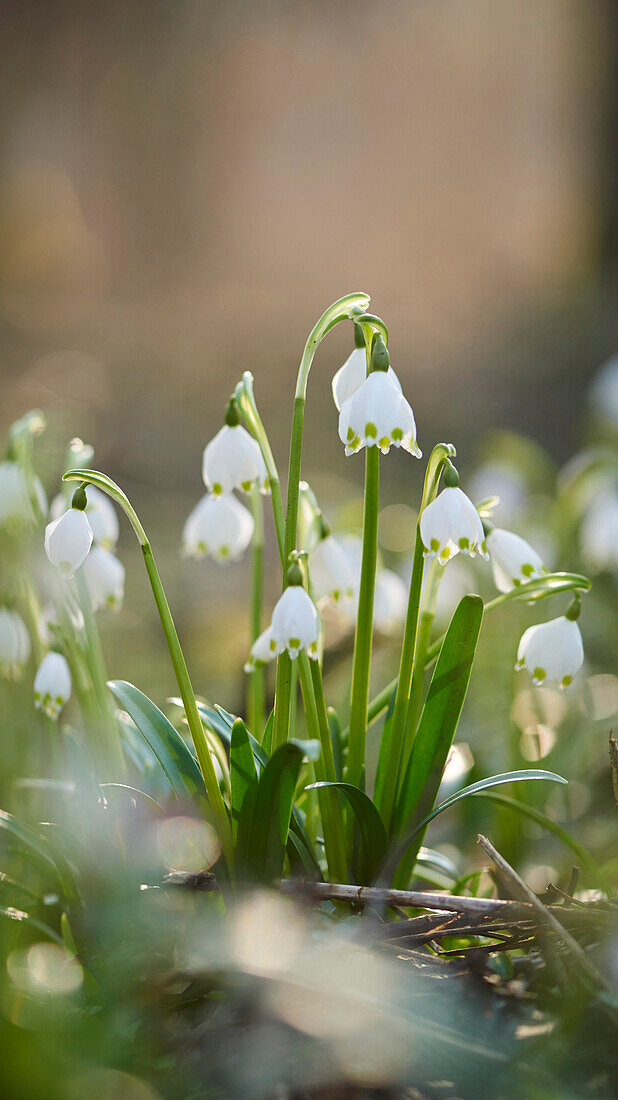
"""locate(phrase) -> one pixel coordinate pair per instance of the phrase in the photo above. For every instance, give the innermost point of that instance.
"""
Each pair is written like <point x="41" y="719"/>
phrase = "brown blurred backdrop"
<point x="186" y="185"/>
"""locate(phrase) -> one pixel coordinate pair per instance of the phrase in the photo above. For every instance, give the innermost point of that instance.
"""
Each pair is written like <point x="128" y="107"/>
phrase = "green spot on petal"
<point x="566" y="680"/>
<point x="434" y="545"/>
<point x="294" y="643"/>
<point x="217" y="488"/>
<point x="539" y="673"/>
<point x="527" y="569"/>
<point x="397" y="435"/>
<point x="351" y="435"/>
<point x="385" y="442"/>
<point x="370" y="430"/>
<point x="464" y="544"/>
<point x="245" y="486"/>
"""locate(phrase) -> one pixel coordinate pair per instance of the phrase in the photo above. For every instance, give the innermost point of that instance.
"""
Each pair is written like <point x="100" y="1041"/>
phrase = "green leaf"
<point x="273" y="808"/>
<point x="30" y="844"/>
<point x="531" y="812"/>
<point x="267" y="737"/>
<point x="31" y="922"/>
<point x="244" y="784"/>
<point x="179" y="765"/>
<point x="438" y="721"/>
<point x="371" y="828"/>
<point x="334" y="726"/>
<point x="133" y="793"/>
<point x="466" y="792"/>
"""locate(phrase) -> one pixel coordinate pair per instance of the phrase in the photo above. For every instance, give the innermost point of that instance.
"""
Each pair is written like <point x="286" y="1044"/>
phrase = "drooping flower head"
<point x="263" y="650"/>
<point x="552" y="651"/>
<point x="52" y="684"/>
<point x="330" y="573"/>
<point x="599" y="531"/>
<point x="450" y="524"/>
<point x="68" y="539"/>
<point x="104" y="575"/>
<point x="350" y="377"/>
<point x="294" y="623"/>
<point x="19" y="500"/>
<point x="232" y="459"/>
<point x="513" y="560"/>
<point x="219" y="526"/>
<point x="101" y="515"/>
<point x="377" y="414"/>
<point x="14" y="643"/>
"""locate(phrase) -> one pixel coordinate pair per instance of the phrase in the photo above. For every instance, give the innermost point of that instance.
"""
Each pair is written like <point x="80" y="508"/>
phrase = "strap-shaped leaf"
<point x="244" y="784"/>
<point x="178" y="763"/>
<point x="371" y="828"/>
<point x="272" y="813"/>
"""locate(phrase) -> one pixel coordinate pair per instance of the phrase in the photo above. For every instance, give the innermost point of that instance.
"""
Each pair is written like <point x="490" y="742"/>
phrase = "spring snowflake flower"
<point x="450" y="525"/>
<point x="219" y="526"/>
<point x="378" y="415"/>
<point x="294" y="624"/>
<point x="330" y="572"/>
<point x="551" y="651"/>
<point x="17" y="503"/>
<point x="513" y="561"/>
<point x="68" y="540"/>
<point x="14" y="644"/>
<point x="599" y="532"/>
<point x="233" y="460"/>
<point x="350" y="377"/>
<point x="263" y="650"/>
<point x="101" y="514"/>
<point x="104" y="576"/>
<point x="52" y="684"/>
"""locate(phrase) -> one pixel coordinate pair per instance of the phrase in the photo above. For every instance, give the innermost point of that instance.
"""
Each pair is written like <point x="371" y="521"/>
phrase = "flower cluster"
<point x="219" y="524"/>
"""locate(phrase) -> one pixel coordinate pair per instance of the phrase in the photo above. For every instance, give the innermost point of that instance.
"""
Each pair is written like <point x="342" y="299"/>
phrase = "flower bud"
<point x="552" y="651"/>
<point x="380" y="359"/>
<point x="450" y="525"/>
<point x="68" y="541"/>
<point x="52" y="684"/>
<point x="219" y="526"/>
<point x="14" y="644"/>
<point x="233" y="460"/>
<point x="104" y="575"/>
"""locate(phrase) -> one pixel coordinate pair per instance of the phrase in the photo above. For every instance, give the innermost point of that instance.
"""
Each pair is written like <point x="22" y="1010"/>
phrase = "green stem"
<point x="387" y="775"/>
<point x="255" y="686"/>
<point x="428" y="612"/>
<point x="192" y="714"/>
<point x="248" y="407"/>
<point x="363" y="638"/>
<point x="330" y="804"/>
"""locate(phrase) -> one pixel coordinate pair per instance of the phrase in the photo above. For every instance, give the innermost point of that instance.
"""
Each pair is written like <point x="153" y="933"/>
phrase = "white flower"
<point x="451" y="524"/>
<point x="551" y="651"/>
<point x="513" y="561"/>
<point x="104" y="576"/>
<point x="390" y="602"/>
<point x="350" y="377"/>
<point x="263" y="650"/>
<point x="52" y="684"/>
<point x="294" y="624"/>
<point x="68" y="540"/>
<point x="599" y="532"/>
<point x="502" y="480"/>
<point x="101" y="516"/>
<point x="233" y="460"/>
<point x="330" y="572"/>
<point x="219" y="526"/>
<point x="16" y="505"/>
<point x="14" y="643"/>
<point x="378" y="415"/>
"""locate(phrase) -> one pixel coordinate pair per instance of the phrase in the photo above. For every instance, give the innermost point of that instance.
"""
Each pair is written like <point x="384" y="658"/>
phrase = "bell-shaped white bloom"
<point x="551" y="651"/>
<point x="101" y="514"/>
<point x="378" y="415"/>
<point x="501" y="480"/>
<point x="390" y="602"/>
<point x="233" y="460"/>
<point x="294" y="624"/>
<point x="219" y="526"/>
<point x="330" y="572"/>
<point x="14" y="643"/>
<point x="450" y="525"/>
<point x="350" y="377"/>
<point x="104" y="576"/>
<point x="52" y="684"/>
<point x="68" y="540"/>
<point x="513" y="561"/>
<point x="18" y="500"/>
<point x="599" y="532"/>
<point x="263" y="650"/>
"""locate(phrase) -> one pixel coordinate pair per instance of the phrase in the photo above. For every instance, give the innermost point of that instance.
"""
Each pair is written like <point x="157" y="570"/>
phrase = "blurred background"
<point x="185" y="186"/>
